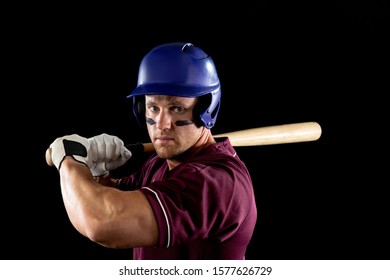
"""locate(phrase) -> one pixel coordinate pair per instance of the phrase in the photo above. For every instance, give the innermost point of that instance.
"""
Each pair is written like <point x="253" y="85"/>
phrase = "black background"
<point x="71" y="67"/>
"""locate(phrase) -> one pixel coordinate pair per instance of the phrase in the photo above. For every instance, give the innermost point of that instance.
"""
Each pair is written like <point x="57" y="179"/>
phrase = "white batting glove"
<point x="108" y="152"/>
<point x="70" y="145"/>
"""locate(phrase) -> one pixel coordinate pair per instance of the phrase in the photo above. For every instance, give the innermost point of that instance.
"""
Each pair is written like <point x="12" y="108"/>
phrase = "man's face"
<point x="171" y="125"/>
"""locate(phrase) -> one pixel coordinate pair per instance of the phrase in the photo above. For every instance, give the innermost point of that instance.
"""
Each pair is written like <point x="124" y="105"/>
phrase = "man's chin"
<point x="163" y="152"/>
<point x="166" y="153"/>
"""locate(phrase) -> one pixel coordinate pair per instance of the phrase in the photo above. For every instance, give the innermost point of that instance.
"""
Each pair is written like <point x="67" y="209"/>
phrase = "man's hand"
<point x="108" y="152"/>
<point x="71" y="145"/>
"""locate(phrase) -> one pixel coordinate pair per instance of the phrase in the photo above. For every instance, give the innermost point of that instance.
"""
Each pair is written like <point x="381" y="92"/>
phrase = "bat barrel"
<point x="277" y="134"/>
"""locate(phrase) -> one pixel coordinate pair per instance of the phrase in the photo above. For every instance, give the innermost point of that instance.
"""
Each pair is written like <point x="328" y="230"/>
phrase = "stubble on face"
<point x="182" y="140"/>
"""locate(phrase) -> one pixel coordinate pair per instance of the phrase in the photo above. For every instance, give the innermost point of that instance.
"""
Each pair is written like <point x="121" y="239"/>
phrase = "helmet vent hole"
<point x="186" y="45"/>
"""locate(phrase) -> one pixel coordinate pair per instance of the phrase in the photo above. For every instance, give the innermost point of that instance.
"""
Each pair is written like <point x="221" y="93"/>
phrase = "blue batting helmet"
<point x="179" y="69"/>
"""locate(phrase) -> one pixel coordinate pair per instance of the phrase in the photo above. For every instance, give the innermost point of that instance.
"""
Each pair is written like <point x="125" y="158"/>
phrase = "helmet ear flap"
<point x="202" y="111"/>
<point x="141" y="106"/>
<point x="139" y="109"/>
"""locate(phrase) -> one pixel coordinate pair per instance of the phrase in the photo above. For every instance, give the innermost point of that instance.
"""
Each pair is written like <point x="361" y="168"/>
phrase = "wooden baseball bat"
<point x="259" y="136"/>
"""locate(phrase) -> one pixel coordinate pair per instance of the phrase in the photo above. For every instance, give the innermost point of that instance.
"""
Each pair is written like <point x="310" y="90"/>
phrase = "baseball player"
<point x="191" y="199"/>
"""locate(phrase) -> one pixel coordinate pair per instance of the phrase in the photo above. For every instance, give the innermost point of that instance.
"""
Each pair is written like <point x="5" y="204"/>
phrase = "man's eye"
<point x="153" y="108"/>
<point x="178" y="109"/>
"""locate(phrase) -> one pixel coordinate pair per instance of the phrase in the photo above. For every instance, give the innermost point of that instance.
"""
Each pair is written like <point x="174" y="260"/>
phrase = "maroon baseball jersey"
<point x="205" y="207"/>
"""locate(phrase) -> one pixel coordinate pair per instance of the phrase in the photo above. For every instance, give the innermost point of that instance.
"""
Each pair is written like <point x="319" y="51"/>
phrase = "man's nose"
<point x="164" y="120"/>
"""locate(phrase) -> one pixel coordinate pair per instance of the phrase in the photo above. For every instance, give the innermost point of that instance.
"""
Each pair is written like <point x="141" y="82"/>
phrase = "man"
<point x="192" y="199"/>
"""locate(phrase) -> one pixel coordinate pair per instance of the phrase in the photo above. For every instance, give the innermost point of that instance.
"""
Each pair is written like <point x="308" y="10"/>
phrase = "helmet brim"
<point x="172" y="90"/>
